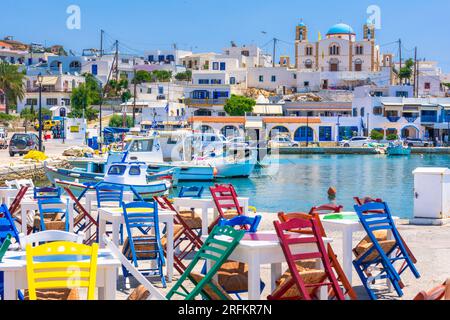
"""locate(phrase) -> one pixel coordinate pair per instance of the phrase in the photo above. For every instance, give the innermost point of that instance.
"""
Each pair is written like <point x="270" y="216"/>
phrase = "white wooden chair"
<point x="50" y="236"/>
<point x="154" y="292"/>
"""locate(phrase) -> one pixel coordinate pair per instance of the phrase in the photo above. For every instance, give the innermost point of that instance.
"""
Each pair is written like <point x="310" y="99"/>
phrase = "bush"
<point x="116" y="121"/>
<point x="376" y="135"/>
<point x="239" y="105"/>
<point x="6" y="117"/>
<point x="392" y="137"/>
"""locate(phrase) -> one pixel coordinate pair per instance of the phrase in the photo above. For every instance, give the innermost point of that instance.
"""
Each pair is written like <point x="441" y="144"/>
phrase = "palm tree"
<point x="11" y="82"/>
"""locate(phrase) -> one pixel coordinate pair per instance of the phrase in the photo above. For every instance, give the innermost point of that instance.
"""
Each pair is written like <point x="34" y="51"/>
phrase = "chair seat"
<point x="177" y="232"/>
<point x="55" y="294"/>
<point x="386" y="245"/>
<point x="193" y="220"/>
<point x="208" y="289"/>
<point x="230" y="214"/>
<point x="233" y="276"/>
<point x="52" y="222"/>
<point x="139" y="294"/>
<point x="362" y="245"/>
<point x="145" y="248"/>
<point x="309" y="276"/>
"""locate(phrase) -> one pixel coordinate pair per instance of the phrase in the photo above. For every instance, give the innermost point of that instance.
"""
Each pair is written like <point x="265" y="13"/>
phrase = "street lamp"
<point x="307" y="129"/>
<point x="338" y="126"/>
<point x="40" y="80"/>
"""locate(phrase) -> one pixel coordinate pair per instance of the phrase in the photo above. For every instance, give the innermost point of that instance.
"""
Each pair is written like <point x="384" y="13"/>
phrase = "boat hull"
<point x="398" y="151"/>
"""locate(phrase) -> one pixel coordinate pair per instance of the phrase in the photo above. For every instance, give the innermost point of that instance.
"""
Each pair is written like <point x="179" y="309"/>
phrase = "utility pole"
<point x="101" y="42"/>
<point x="116" y="69"/>
<point x="415" y="73"/>
<point x="274" y="51"/>
<point x="135" y="93"/>
<point x="400" y="54"/>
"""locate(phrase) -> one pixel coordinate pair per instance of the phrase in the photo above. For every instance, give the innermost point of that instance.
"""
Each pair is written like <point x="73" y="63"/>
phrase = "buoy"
<point x="215" y="172"/>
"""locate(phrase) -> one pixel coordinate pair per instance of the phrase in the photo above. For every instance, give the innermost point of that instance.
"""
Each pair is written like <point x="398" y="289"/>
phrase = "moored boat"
<point x="398" y="149"/>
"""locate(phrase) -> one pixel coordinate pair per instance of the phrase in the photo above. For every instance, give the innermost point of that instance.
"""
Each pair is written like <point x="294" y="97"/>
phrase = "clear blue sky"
<point x="210" y="25"/>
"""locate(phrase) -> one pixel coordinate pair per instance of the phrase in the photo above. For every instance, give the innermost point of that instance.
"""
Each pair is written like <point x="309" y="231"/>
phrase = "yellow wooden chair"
<point x="57" y="265"/>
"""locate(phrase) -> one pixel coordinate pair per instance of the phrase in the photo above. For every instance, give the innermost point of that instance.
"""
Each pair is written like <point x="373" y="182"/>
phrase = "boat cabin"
<point x="132" y="173"/>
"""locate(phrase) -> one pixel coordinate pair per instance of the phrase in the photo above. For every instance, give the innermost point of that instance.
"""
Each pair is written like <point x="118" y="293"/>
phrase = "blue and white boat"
<point x="398" y="149"/>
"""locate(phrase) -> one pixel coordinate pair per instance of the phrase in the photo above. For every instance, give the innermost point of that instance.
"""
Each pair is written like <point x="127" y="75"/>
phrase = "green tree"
<point x="82" y="100"/>
<point x="116" y="121"/>
<point x="407" y="70"/>
<point x="126" y="95"/>
<point x="11" y="83"/>
<point x="239" y="105"/>
<point x="162" y="75"/>
<point x="376" y="135"/>
<point x="142" y="76"/>
<point x="392" y="137"/>
<point x="184" y="76"/>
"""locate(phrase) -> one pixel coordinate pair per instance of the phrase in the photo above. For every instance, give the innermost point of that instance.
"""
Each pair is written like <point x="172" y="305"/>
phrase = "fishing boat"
<point x="131" y="175"/>
<point x="398" y="149"/>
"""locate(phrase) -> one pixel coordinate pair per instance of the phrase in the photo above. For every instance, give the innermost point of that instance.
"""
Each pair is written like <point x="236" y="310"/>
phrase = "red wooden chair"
<point x="83" y="222"/>
<point x="226" y="201"/>
<point x="182" y="234"/>
<point x="334" y="263"/>
<point x="15" y="207"/>
<point x="441" y="292"/>
<point x="304" y="283"/>
<point x="381" y="235"/>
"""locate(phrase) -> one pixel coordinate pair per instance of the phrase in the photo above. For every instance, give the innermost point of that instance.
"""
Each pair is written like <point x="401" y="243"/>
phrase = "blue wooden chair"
<point x="109" y="195"/>
<point x="233" y="276"/>
<point x="47" y="193"/>
<point x="381" y="255"/>
<point x="52" y="215"/>
<point x="8" y="231"/>
<point x="141" y="216"/>
<point x="191" y="192"/>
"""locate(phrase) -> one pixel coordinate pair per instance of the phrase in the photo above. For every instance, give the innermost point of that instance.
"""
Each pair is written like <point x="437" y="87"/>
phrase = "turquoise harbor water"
<point x="298" y="183"/>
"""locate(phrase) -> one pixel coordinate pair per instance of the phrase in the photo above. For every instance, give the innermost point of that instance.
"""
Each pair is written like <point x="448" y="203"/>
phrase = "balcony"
<point x="205" y="102"/>
<point x="428" y="119"/>
<point x="411" y="119"/>
<point x="393" y="119"/>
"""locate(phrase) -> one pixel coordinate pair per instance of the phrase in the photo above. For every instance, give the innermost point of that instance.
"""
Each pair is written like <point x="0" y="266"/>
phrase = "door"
<point x="334" y="67"/>
<point x="94" y="69"/>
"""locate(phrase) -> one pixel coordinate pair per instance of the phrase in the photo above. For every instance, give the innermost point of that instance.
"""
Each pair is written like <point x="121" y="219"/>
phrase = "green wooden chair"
<point x="217" y="249"/>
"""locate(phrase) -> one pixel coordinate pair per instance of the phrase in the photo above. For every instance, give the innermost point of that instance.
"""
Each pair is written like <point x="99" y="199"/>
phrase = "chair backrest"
<point x="141" y="215"/>
<point x="47" y="193"/>
<point x="217" y="248"/>
<point x="250" y="224"/>
<point x="288" y="241"/>
<point x="4" y="246"/>
<point x="36" y="239"/>
<point x="441" y="292"/>
<point x="111" y="194"/>
<point x="285" y="217"/>
<point x="62" y="265"/>
<point x="20" y="183"/>
<point x="53" y="206"/>
<point x="191" y="192"/>
<point x="154" y="292"/>
<point x="367" y="200"/>
<point x="225" y="198"/>
<point x="7" y="225"/>
<point x="326" y="209"/>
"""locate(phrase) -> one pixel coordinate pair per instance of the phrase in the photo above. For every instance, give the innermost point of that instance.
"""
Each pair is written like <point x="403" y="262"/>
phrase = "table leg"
<point x="116" y="232"/>
<point x="276" y="270"/>
<point x="390" y="236"/>
<point x="24" y="220"/>
<point x="254" y="278"/>
<point x="71" y="216"/>
<point x="170" y="251"/>
<point x="101" y="231"/>
<point x="347" y="247"/>
<point x="10" y="290"/>
<point x="205" y="224"/>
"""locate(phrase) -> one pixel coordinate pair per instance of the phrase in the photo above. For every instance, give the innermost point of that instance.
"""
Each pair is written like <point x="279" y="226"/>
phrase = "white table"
<point x="347" y="227"/>
<point x="267" y="250"/>
<point x="115" y="217"/>
<point x="91" y="199"/>
<point x="6" y="194"/>
<point x="205" y="204"/>
<point x="31" y="205"/>
<point x="15" y="274"/>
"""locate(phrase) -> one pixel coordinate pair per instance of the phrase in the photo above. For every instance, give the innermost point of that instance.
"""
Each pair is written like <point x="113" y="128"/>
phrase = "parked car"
<point x="355" y="142"/>
<point x="22" y="143"/>
<point x="48" y="125"/>
<point x="237" y="142"/>
<point x="3" y="140"/>
<point x="410" y="142"/>
<point x="282" y="142"/>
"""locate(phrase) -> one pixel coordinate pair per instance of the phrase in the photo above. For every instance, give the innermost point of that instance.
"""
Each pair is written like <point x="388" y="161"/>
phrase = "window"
<point x="334" y="50"/>
<point x="170" y="58"/>
<point x="309" y="51"/>
<point x="261" y="78"/>
<point x="273" y="79"/>
<point x="427" y="86"/>
<point x="216" y="81"/>
<point x="142" y="146"/>
<point x="325" y="134"/>
<point x="151" y="58"/>
<point x="135" y="171"/>
<point x="160" y="90"/>
<point x="245" y="53"/>
<point x="295" y="76"/>
<point x="161" y="58"/>
<point x="355" y="112"/>
<point x="117" y="170"/>
<point x="203" y="81"/>
<point x="52" y="101"/>
<point x="358" y="65"/>
<point x="377" y="111"/>
<point x="66" y="101"/>
<point x="308" y="64"/>
<point x="359" y="50"/>
<point x="232" y="80"/>
<point x="31" y="102"/>
<point x="215" y="66"/>
<point x="401" y="94"/>
<point x="126" y="61"/>
<point x="223" y="66"/>
<point x="306" y="84"/>
<point x="149" y="90"/>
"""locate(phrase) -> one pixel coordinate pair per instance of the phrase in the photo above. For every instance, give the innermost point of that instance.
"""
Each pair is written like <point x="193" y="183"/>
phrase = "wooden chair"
<point x="55" y="271"/>
<point x="4" y="245"/>
<point x="335" y="265"/>
<point x="109" y="196"/>
<point x="217" y="248"/>
<point x="441" y="292"/>
<point x="36" y="239"/>
<point x="381" y="255"/>
<point x="53" y="215"/>
<point x="7" y="225"/>
<point x="47" y="193"/>
<point x="191" y="192"/>
<point x="226" y="201"/>
<point x="186" y="241"/>
<point x="15" y="207"/>
<point x="303" y="282"/>
<point x="141" y="246"/>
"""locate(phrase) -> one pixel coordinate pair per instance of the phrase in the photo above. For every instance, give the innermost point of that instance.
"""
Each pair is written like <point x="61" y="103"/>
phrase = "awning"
<point x="268" y="109"/>
<point x="49" y="81"/>
<point x="255" y="124"/>
<point x="392" y="106"/>
<point x="446" y="106"/>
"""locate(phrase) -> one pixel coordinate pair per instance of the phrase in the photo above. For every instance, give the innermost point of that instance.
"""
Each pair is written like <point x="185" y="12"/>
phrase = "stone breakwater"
<point x="32" y="170"/>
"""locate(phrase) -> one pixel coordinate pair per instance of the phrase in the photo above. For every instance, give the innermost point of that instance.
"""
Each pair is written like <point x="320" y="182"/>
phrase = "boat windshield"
<point x="117" y="170"/>
<point x="140" y="146"/>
